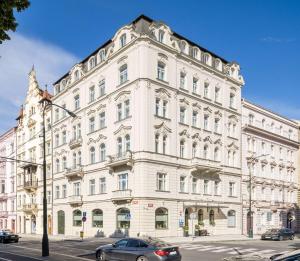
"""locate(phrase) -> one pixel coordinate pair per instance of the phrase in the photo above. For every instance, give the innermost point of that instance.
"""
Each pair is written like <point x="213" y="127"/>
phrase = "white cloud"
<point x="16" y="59"/>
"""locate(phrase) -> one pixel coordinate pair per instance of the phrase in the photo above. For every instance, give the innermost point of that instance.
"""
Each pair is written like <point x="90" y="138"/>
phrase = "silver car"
<point x="138" y="249"/>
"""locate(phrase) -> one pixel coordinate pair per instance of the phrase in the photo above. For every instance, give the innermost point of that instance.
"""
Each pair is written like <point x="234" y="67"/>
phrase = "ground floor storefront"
<point x="8" y="222"/>
<point x="153" y="217"/>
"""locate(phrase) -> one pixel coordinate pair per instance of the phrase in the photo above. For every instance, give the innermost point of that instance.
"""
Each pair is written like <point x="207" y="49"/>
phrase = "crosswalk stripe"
<point x="248" y="250"/>
<point x="222" y="250"/>
<point x="209" y="248"/>
<point x="266" y="251"/>
<point x="197" y="246"/>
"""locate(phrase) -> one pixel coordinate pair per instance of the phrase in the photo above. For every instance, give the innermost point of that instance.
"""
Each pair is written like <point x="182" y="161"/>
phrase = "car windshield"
<point x="273" y="230"/>
<point x="156" y="242"/>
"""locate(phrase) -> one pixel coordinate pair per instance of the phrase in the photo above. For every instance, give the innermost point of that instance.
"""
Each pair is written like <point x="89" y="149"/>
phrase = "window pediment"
<point x="218" y="141"/>
<point x="232" y="146"/>
<point x="62" y="152"/>
<point x="208" y="109"/>
<point x="184" y="133"/>
<point x="208" y="139"/>
<point x="99" y="138"/>
<point x="90" y="112"/>
<point x="197" y="105"/>
<point x="101" y="107"/>
<point x="122" y="130"/>
<point x="185" y="101"/>
<point x="162" y="127"/>
<point x="196" y="136"/>
<point x="162" y="93"/>
<point x="218" y="113"/>
<point x="122" y="96"/>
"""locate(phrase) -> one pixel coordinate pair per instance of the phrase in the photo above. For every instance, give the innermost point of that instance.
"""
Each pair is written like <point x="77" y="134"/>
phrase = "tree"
<point x="7" y="19"/>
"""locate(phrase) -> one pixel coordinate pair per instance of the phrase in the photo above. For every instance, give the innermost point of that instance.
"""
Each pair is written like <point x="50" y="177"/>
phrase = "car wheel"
<point x="292" y="237"/>
<point x="142" y="258"/>
<point x="17" y="240"/>
<point x="99" y="255"/>
<point x="280" y="238"/>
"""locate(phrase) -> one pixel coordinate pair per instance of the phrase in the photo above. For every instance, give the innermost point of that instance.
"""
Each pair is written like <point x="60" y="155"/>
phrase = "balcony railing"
<point x="29" y="208"/>
<point x="75" y="142"/>
<point x="119" y="159"/>
<point x="205" y="165"/>
<point x="75" y="200"/>
<point x="122" y="195"/>
<point x="74" y="173"/>
<point x="3" y="214"/>
<point x="28" y="163"/>
<point x="30" y="185"/>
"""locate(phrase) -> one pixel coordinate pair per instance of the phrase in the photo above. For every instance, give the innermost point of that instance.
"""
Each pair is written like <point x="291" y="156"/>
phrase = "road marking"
<point x="222" y="250"/>
<point x="5" y="259"/>
<point x="13" y="253"/>
<point x="265" y="251"/>
<point x="248" y="250"/>
<point x="209" y="248"/>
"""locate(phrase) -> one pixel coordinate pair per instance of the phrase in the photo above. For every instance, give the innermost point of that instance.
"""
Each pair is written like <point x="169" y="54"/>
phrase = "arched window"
<point x="161" y="218"/>
<point x="102" y="152"/>
<point x="123" y="40"/>
<point x="212" y="217"/>
<point x="76" y="75"/>
<point x="79" y="158"/>
<point x="92" y="155"/>
<point x="123" y="73"/>
<point x="161" y="71"/>
<point x="182" y="149"/>
<point x="57" y="165"/>
<point x="102" y="55"/>
<point x="194" y="150"/>
<point x="205" y="152"/>
<point x="251" y="119"/>
<point x="97" y="218"/>
<point x="74" y="160"/>
<point x="216" y="154"/>
<point x="156" y="142"/>
<point x="200" y="216"/>
<point x="231" y="218"/>
<point x="119" y="146"/>
<point x="164" y="144"/>
<point x="64" y="163"/>
<point x="77" y="218"/>
<point x="127" y="142"/>
<point x="123" y="218"/>
<point x="92" y="63"/>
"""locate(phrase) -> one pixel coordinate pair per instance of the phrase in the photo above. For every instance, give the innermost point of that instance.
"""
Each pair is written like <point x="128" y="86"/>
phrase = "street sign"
<point x="83" y="219"/>
<point x="84" y="213"/>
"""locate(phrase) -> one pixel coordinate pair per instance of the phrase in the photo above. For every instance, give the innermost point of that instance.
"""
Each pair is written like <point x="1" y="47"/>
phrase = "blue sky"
<point x="262" y="36"/>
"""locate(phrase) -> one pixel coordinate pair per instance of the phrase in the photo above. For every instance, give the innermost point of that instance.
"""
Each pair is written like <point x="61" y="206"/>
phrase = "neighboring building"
<point x="274" y="177"/>
<point x="29" y="154"/>
<point x="8" y="180"/>
<point x="156" y="141"/>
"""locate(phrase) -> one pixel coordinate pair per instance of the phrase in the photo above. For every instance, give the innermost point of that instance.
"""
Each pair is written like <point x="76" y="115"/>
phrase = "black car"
<point x="278" y="234"/>
<point x="7" y="236"/>
<point x="138" y="249"/>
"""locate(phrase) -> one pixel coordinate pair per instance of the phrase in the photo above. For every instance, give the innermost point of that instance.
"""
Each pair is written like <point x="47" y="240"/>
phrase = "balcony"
<point x="3" y="196"/>
<point x="30" y="162"/>
<point x="3" y="214"/>
<point x="121" y="196"/>
<point x="75" y="200"/>
<point x="29" y="208"/>
<point x="30" y="185"/>
<point x="120" y="159"/>
<point x="75" y="142"/>
<point x="205" y="166"/>
<point x="74" y="173"/>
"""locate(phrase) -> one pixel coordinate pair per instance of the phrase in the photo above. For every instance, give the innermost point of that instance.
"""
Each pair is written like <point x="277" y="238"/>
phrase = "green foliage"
<point x="7" y="18"/>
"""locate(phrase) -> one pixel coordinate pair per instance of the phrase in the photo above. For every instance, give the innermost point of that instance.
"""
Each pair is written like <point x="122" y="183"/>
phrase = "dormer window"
<point x="161" y="35"/>
<point x="102" y="55"/>
<point x="92" y="63"/>
<point x="76" y="75"/>
<point x="123" y="40"/>
<point x="205" y="58"/>
<point x="183" y="46"/>
<point x="195" y="53"/>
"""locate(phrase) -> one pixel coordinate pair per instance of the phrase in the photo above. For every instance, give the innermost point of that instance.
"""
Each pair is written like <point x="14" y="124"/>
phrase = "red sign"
<point x="83" y="219"/>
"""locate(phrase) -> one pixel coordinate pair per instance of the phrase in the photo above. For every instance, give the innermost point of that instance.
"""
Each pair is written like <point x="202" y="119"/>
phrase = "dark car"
<point x="7" y="236"/>
<point x="290" y="256"/>
<point x="138" y="249"/>
<point x="278" y="234"/>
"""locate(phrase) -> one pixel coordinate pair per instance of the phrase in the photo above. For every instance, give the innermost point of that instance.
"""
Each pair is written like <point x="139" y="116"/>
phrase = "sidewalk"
<point x="50" y="237"/>
<point x="213" y="238"/>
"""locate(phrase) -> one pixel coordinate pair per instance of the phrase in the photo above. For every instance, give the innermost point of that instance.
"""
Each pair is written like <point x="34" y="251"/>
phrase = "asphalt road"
<point x="75" y="250"/>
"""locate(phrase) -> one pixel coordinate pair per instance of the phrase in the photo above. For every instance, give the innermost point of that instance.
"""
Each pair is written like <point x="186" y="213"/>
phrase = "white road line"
<point x="5" y="259"/>
<point x="191" y="247"/>
<point x="209" y="248"/>
<point x="234" y="252"/>
<point x="13" y="253"/>
<point x="248" y="250"/>
<point x="265" y="251"/>
<point x="222" y="250"/>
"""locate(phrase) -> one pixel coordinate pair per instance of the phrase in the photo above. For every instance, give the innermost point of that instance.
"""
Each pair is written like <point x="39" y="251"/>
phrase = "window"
<point x="64" y="163"/>
<point x="161" y="181"/>
<point x="92" y="94"/>
<point x="182" y="115"/>
<point x="231" y="189"/>
<point x="206" y="90"/>
<point x="206" y="152"/>
<point x="232" y="100"/>
<point x="123" y="73"/>
<point x="231" y="218"/>
<point x="217" y="187"/>
<point x="97" y="218"/>
<point x="182" y="149"/>
<point x="92" y="187"/>
<point x="182" y="184"/>
<point x="92" y="63"/>
<point x="161" y="71"/>
<point x="92" y="124"/>
<point x="206" y="122"/>
<point x="164" y="144"/>
<point x="195" y="85"/>
<point x="102" y="55"/>
<point x="76" y="189"/>
<point x="102" y="120"/>
<point x="119" y="146"/>
<point x="92" y="155"/>
<point x="74" y="164"/>
<point x="217" y="125"/>
<point x="57" y="192"/>
<point x="127" y="142"/>
<point x="206" y="186"/>
<point x="156" y="143"/>
<point x="194" y="185"/>
<point x="77" y="222"/>
<point x="64" y="191"/>
<point x="123" y="181"/>
<point x="48" y="197"/>
<point x="57" y="165"/>
<point x="216" y="154"/>
<point x="123" y="40"/>
<point x="102" y="152"/>
<point x="194" y="119"/>
<point x="102" y="185"/>
<point x="212" y="217"/>
<point x="251" y="119"/>
<point x="64" y="137"/>
<point x="127" y="108"/>
<point x="263" y="123"/>
<point x="56" y="117"/>
<point x="200" y="216"/>
<point x="194" y="150"/>
<point x="161" y="218"/>
<point x="101" y="88"/>
<point x="119" y="111"/>
<point x="165" y="104"/>
<point x="195" y="53"/>
<point x="76" y="102"/>
<point x="217" y="94"/>
<point x="182" y="80"/>
<point x="64" y="113"/>
<point x="157" y="106"/>
<point x="161" y="35"/>
<point x="56" y="140"/>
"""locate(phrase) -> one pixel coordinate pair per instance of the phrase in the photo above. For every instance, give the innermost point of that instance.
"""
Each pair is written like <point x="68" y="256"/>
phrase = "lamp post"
<point x="252" y="159"/>
<point x="47" y="103"/>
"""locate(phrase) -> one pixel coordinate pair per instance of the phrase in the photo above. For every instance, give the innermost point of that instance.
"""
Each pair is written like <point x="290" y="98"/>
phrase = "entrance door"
<point x="249" y="223"/>
<point x="13" y="225"/>
<point x="61" y="222"/>
<point x="289" y="220"/>
<point x="33" y="224"/>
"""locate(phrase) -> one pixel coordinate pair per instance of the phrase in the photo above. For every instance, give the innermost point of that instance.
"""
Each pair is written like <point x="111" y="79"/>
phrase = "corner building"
<point x="156" y="142"/>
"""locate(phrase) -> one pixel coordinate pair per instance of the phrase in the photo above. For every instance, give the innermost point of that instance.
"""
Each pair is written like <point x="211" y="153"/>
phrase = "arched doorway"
<point x="33" y="224"/>
<point x="123" y="220"/>
<point x="289" y="220"/>
<point x="61" y="222"/>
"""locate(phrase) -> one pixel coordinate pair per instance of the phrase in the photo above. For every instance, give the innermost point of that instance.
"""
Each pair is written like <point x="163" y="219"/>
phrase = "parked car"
<point x="290" y="256"/>
<point x="7" y="236"/>
<point x="138" y="249"/>
<point x="278" y="234"/>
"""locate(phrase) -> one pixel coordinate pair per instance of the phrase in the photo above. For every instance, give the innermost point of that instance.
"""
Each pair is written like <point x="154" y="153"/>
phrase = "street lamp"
<point x="47" y="103"/>
<point x="252" y="159"/>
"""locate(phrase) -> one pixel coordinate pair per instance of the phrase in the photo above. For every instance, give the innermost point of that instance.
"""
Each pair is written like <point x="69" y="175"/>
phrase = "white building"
<point x="274" y="176"/>
<point x="156" y="141"/>
<point x="29" y="155"/>
<point x="7" y="182"/>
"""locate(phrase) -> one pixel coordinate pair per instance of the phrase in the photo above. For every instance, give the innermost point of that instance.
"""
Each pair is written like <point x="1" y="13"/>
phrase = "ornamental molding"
<point x="163" y="92"/>
<point x="123" y="129"/>
<point x="208" y="139"/>
<point x="122" y="94"/>
<point x="90" y="112"/>
<point x="99" y="138"/>
<point x="184" y="133"/>
<point x="163" y="127"/>
<point x="63" y="151"/>
<point x="184" y="100"/>
<point x="197" y="105"/>
<point x="197" y="136"/>
<point x="101" y="107"/>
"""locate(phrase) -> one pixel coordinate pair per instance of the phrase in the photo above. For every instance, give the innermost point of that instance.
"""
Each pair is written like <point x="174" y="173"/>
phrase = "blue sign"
<point x="84" y="213"/>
